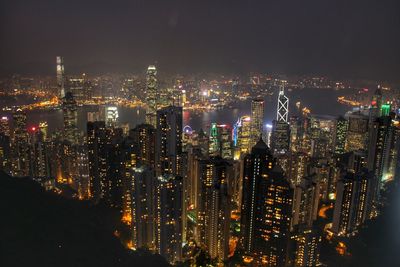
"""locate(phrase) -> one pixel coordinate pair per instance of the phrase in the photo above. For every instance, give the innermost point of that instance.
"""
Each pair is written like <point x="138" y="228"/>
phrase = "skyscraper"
<point x="111" y="114"/>
<point x="244" y="134"/>
<point x="354" y="193"/>
<point x="20" y="147"/>
<point x="152" y="95"/>
<point x="97" y="157"/>
<point x="142" y="189"/>
<point x="169" y="204"/>
<point x="169" y="141"/>
<point x="70" y="118"/>
<point x="220" y="141"/>
<point x="266" y="208"/>
<point x="5" y="145"/>
<point x="382" y="140"/>
<point x="144" y="139"/>
<point x="340" y="135"/>
<point x="257" y="119"/>
<point x="213" y="210"/>
<point x="357" y="132"/>
<point x="280" y="136"/>
<point x="282" y="113"/>
<point x="60" y="76"/>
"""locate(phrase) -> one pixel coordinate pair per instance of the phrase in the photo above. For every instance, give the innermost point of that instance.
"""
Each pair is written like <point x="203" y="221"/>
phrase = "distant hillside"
<point x="39" y="228"/>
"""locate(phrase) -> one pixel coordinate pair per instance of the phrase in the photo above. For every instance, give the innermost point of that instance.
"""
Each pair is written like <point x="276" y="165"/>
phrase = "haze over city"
<point x="199" y="133"/>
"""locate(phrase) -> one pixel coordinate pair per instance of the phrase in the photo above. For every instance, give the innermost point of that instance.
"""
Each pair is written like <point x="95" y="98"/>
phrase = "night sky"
<point x="341" y="38"/>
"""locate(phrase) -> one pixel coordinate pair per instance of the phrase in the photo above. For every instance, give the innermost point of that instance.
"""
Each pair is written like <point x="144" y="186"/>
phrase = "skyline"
<point x="339" y="39"/>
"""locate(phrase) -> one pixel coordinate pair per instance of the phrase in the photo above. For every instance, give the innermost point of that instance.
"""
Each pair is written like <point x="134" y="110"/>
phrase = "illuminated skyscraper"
<point x="280" y="136"/>
<point x="169" y="204"/>
<point x="340" y="135"/>
<point x="5" y="126"/>
<point x="376" y="104"/>
<point x="381" y="143"/>
<point x="306" y="246"/>
<point x="213" y="211"/>
<point x="20" y="147"/>
<point x="111" y="114"/>
<point x="144" y="138"/>
<point x="354" y="195"/>
<point x="152" y="95"/>
<point x="357" y="133"/>
<point x="282" y="113"/>
<point x="97" y="157"/>
<point x="220" y="143"/>
<point x="266" y="208"/>
<point x="5" y="145"/>
<point x="244" y="134"/>
<point x="143" y="207"/>
<point x="257" y="119"/>
<point x="169" y="141"/>
<point x="60" y="77"/>
<point x="306" y="201"/>
<point x="70" y="113"/>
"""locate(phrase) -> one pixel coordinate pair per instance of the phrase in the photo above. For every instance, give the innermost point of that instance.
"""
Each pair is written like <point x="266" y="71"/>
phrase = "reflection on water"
<point x="319" y="101"/>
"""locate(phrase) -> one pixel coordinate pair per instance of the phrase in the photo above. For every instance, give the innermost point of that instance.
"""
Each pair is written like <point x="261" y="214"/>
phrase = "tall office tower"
<point x="142" y="185"/>
<point x="296" y="167"/>
<point x="169" y="217"/>
<point x="376" y="104"/>
<point x="266" y="208"/>
<point x="20" y="147"/>
<point x="70" y="119"/>
<point x="296" y="133"/>
<point x="111" y="115"/>
<point x="213" y="211"/>
<point x="113" y="189"/>
<point x="152" y="96"/>
<point x="244" y="135"/>
<point x="382" y="139"/>
<point x="193" y="181"/>
<point x="97" y="156"/>
<point x="257" y="119"/>
<point x="306" y="246"/>
<point x="340" y="135"/>
<point x="144" y="140"/>
<point x="169" y="141"/>
<point x="5" y="145"/>
<point x="394" y="159"/>
<point x="323" y="169"/>
<point x="354" y="193"/>
<point x="5" y="126"/>
<point x="81" y="178"/>
<point x="357" y="133"/>
<point x="220" y="141"/>
<point x="282" y="113"/>
<point x="306" y="201"/>
<point x="280" y="137"/>
<point x="38" y="158"/>
<point x="60" y="77"/>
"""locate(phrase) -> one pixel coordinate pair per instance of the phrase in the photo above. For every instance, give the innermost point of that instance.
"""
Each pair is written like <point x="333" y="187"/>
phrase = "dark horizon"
<point x="333" y="38"/>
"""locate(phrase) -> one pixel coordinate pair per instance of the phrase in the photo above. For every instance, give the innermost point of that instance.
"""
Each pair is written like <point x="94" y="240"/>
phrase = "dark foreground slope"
<point x="39" y="228"/>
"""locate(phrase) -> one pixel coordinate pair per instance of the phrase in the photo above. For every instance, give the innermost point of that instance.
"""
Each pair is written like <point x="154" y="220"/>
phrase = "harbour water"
<point x="319" y="101"/>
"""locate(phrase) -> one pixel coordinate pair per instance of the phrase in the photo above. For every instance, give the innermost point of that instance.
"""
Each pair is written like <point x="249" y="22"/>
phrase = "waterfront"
<point x="311" y="98"/>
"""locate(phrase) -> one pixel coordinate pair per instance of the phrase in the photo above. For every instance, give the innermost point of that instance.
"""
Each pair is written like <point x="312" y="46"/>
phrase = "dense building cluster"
<point x="246" y="190"/>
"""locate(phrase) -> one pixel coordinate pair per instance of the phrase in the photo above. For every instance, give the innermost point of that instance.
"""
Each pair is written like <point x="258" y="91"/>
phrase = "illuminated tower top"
<point x="283" y="105"/>
<point x="60" y="76"/>
<point x="151" y="95"/>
